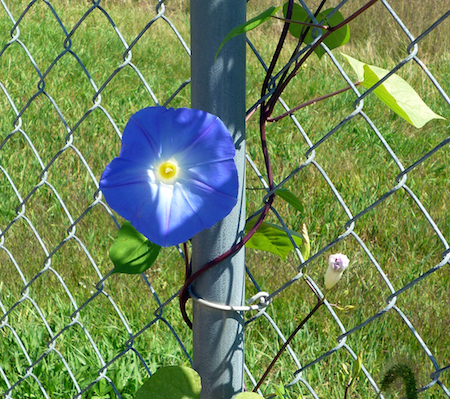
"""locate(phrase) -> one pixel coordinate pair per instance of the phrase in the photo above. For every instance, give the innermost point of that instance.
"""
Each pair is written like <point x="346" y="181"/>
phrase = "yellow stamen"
<point x="167" y="171"/>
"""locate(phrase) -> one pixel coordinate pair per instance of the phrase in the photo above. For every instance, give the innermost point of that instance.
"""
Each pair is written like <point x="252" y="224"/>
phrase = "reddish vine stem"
<point x="277" y="53"/>
<point x="301" y="38"/>
<point x="282" y="85"/>
<point x="288" y="341"/>
<point x="265" y="117"/>
<point x="184" y="292"/>
<point x="305" y="104"/>
<point x="187" y="265"/>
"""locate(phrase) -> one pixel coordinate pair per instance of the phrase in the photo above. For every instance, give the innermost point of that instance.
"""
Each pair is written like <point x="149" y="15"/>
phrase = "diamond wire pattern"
<point x="68" y="149"/>
<point x="45" y="264"/>
<point x="399" y="179"/>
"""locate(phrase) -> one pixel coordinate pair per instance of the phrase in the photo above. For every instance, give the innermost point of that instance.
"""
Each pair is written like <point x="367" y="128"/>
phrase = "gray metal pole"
<point x="219" y="88"/>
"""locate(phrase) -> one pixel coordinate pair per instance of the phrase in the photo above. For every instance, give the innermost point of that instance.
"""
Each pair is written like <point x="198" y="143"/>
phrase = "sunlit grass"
<point x="395" y="232"/>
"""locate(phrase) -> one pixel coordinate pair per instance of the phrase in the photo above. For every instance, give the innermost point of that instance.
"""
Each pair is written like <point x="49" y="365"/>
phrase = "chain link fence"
<point x="68" y="328"/>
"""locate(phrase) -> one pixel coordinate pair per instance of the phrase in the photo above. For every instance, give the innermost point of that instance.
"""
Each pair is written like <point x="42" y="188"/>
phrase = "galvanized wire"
<point x="14" y="381"/>
<point x="344" y="340"/>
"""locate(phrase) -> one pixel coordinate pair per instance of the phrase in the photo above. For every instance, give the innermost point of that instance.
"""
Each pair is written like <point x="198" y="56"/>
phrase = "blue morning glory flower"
<point x="175" y="175"/>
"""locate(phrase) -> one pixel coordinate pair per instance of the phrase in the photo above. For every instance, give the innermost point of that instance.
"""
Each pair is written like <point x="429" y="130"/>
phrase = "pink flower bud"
<point x="337" y="263"/>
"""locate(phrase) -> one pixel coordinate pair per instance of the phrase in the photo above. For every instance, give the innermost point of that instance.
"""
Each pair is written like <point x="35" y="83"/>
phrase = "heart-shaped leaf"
<point x="131" y="252"/>
<point x="272" y="238"/>
<point x="395" y="92"/>
<point x="172" y="382"/>
<point x="335" y="39"/>
<point x="298" y="14"/>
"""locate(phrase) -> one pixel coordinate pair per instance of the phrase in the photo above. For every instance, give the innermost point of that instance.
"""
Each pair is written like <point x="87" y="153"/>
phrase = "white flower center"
<point x="167" y="171"/>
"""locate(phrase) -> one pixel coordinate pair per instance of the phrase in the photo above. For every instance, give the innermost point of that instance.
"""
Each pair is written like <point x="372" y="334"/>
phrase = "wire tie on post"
<point x="262" y="297"/>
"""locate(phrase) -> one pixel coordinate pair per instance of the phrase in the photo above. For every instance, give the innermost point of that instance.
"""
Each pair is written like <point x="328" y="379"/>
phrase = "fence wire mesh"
<point x="371" y="188"/>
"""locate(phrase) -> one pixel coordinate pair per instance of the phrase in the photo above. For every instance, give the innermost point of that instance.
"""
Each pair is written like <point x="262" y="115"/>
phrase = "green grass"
<point x="396" y="232"/>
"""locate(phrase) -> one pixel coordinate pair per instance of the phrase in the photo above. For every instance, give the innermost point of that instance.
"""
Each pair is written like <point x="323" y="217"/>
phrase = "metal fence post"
<point x="219" y="88"/>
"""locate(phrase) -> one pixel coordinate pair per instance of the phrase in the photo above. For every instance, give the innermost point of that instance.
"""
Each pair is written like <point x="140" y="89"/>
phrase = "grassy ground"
<point x="395" y="232"/>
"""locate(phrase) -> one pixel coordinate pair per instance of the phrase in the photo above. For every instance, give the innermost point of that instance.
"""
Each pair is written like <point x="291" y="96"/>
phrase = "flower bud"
<point x="337" y="263"/>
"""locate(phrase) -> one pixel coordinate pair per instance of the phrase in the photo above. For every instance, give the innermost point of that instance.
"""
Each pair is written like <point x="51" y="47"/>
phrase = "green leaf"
<point x="399" y="96"/>
<point x="249" y="25"/>
<point x="290" y="198"/>
<point x="335" y="39"/>
<point x="173" y="382"/>
<point x="248" y="395"/>
<point x="357" y="66"/>
<point x="306" y="246"/>
<point x="356" y="369"/>
<point x="298" y="14"/>
<point x="131" y="252"/>
<point x="280" y="391"/>
<point x="395" y="92"/>
<point x="272" y="238"/>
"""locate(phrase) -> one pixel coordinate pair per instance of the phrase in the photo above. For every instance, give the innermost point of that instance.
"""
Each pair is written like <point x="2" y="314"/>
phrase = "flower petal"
<point x="337" y="264"/>
<point x="221" y="176"/>
<point x="180" y="211"/>
<point x="173" y="131"/>
<point x="126" y="186"/>
<point x="213" y="145"/>
<point x="205" y="189"/>
<point x="139" y="140"/>
<point x="332" y="277"/>
<point x="121" y="172"/>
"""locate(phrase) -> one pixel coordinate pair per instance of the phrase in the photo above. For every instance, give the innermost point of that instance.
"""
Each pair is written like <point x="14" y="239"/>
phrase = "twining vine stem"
<point x="288" y="341"/>
<point x="284" y="82"/>
<point x="310" y="102"/>
<point x="266" y="109"/>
